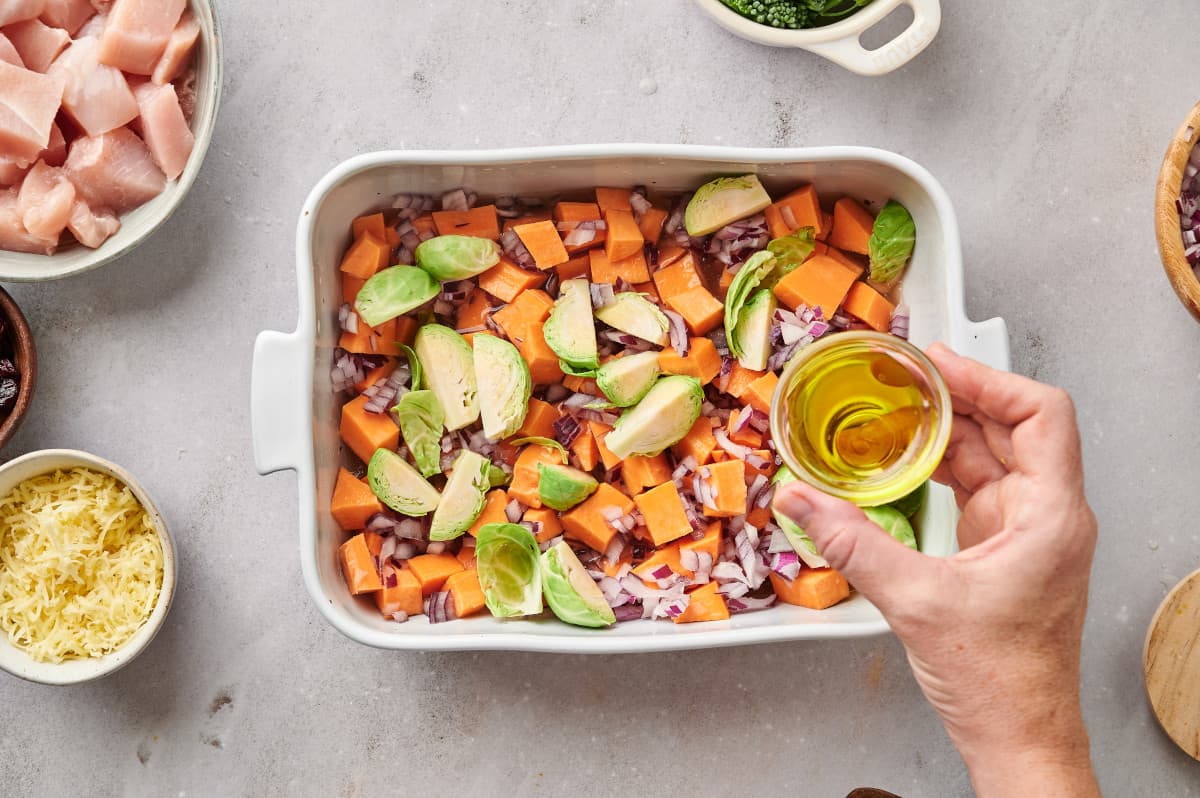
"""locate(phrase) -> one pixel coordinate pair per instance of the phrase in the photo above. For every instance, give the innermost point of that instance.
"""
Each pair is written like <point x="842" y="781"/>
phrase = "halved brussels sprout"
<point x="504" y="383"/>
<point x="457" y="257"/>
<point x="627" y="379"/>
<point x="894" y="523"/>
<point x="393" y="292"/>
<point x="753" y="272"/>
<point x="801" y="542"/>
<point x="420" y="418"/>
<point x="498" y="477"/>
<point x="570" y="592"/>
<point x="790" y="251"/>
<point x="893" y="238"/>
<point x="663" y="417"/>
<point x="753" y="330"/>
<point x="632" y="313"/>
<point x="911" y="504"/>
<point x="462" y="498"/>
<point x="561" y="487"/>
<point x="507" y="558"/>
<point x="450" y="373"/>
<point x="723" y="201"/>
<point x="398" y="485"/>
<point x="570" y="331"/>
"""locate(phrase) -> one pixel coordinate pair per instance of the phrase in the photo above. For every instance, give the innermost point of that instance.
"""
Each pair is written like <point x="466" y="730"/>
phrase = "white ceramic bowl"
<point x="839" y="42"/>
<point x="16" y="661"/>
<point x="140" y="223"/>
<point x="295" y="414"/>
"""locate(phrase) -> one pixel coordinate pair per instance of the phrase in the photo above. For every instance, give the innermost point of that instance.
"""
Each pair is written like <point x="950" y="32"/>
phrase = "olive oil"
<point x="861" y="415"/>
<point x="857" y="414"/>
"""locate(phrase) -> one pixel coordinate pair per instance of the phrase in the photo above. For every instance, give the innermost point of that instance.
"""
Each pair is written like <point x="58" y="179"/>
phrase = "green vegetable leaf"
<point x="892" y="241"/>
<point x="549" y="443"/>
<point x="575" y="371"/>
<point x="498" y="477"/>
<point x="753" y="272"/>
<point x="421" y="420"/>
<point x="790" y="251"/>
<point x="509" y="565"/>
<point x="414" y="366"/>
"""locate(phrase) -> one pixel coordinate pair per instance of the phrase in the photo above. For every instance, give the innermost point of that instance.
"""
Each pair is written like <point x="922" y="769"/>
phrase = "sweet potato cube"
<point x="366" y="256"/>
<point x="699" y="443"/>
<point x="639" y="472"/>
<point x="727" y="480"/>
<point x="610" y="198"/>
<point x="544" y="368"/>
<point x="524" y="485"/>
<point x="371" y="223"/>
<point x="577" y="212"/>
<point x="680" y="276"/>
<point x="624" y="237"/>
<point x="481" y="222"/>
<point x="605" y="270"/>
<point x="359" y="566"/>
<point x="432" y="570"/>
<point x="852" y="225"/>
<point x="494" y="505"/>
<point x="668" y="556"/>
<point x="544" y="244"/>
<point x="539" y="420"/>
<point x="600" y="432"/>
<point x="704" y="604"/>
<point x="506" y="280"/>
<point x="758" y="394"/>
<point x="740" y="379"/>
<point x="709" y="544"/>
<point x="865" y="303"/>
<point x="815" y="588"/>
<point x="550" y="528"/>
<point x="701" y="362"/>
<point x="531" y="307"/>
<point x="473" y="313"/>
<point x="401" y="592"/>
<point x="700" y="310"/>
<point x="820" y="282"/>
<point x="746" y="436"/>
<point x="578" y="266"/>
<point x="799" y="209"/>
<point x="365" y="432"/>
<point x="587" y="523"/>
<point x="652" y="223"/>
<point x="663" y="510"/>
<point x="353" y="501"/>
<point x="465" y="592"/>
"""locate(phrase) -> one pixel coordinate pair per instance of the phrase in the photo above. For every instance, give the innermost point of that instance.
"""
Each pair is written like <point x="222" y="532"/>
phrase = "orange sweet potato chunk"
<point x="359" y="566"/>
<point x="401" y="592"/>
<point x="587" y="524"/>
<point x="365" y="432"/>
<point x="704" y="604"/>
<point x="820" y="282"/>
<point x="366" y="256"/>
<point x="865" y="303"/>
<point x="506" y="280"/>
<point x="432" y="570"/>
<point x="663" y="510"/>
<point x="728" y="480"/>
<point x="481" y="222"/>
<point x="852" y="225"/>
<point x="624" y="237"/>
<point x="353" y="501"/>
<point x="799" y="209"/>
<point x="815" y="588"/>
<point x="544" y="244"/>
<point x="701" y="362"/>
<point x="700" y="310"/>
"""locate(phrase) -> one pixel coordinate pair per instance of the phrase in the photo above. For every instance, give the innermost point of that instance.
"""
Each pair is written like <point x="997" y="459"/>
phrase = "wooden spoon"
<point x="1172" y="664"/>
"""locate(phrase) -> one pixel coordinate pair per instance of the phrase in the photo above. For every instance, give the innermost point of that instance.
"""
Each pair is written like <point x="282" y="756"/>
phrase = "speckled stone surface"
<point x="1045" y="121"/>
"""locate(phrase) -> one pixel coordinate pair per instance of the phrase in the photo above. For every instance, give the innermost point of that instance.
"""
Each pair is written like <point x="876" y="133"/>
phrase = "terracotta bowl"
<point x="25" y="358"/>
<point x="1166" y="215"/>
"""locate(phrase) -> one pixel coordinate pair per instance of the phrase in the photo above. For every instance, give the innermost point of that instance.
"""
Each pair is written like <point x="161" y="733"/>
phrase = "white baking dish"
<point x="295" y="414"/>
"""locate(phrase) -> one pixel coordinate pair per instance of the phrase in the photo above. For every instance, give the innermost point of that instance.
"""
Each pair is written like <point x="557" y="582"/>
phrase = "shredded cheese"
<point x="81" y="565"/>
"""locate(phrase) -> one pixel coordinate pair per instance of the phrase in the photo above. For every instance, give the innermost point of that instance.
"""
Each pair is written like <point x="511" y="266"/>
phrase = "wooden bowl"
<point x="25" y="357"/>
<point x="1166" y="215"/>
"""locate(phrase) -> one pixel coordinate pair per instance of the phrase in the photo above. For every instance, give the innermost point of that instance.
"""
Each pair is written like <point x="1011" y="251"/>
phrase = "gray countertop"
<point x="1046" y="122"/>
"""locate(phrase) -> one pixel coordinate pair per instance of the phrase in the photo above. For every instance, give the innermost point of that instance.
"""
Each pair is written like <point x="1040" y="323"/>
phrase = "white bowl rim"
<point x="15" y="661"/>
<point x="857" y="22"/>
<point x="202" y="128"/>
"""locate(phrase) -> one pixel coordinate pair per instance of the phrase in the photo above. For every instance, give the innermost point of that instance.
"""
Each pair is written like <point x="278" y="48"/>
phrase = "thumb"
<point x="879" y="566"/>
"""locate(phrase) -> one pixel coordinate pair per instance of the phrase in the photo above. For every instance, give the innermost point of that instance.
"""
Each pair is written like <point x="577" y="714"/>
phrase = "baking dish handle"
<point x="987" y="342"/>
<point x="277" y="401"/>
<point x="849" y="52"/>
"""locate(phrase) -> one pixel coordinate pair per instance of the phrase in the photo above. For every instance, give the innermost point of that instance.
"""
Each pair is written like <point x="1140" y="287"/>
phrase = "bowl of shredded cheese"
<point x="87" y="567"/>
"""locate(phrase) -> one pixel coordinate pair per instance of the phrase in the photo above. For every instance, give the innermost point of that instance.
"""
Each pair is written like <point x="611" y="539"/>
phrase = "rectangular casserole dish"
<point x="295" y="414"/>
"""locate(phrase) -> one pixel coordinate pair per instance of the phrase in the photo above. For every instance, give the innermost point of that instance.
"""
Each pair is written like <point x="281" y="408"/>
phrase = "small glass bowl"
<point x="919" y="459"/>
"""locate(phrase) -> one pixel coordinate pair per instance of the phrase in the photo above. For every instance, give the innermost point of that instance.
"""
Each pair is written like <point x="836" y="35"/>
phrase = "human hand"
<point x="992" y="633"/>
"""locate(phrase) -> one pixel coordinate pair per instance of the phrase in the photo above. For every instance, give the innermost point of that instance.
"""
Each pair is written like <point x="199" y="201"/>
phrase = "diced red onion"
<point x="899" y="323"/>
<point x="516" y="250"/>
<point x="567" y="429"/>
<point x="733" y="449"/>
<point x="513" y="511"/>
<point x="627" y="612"/>
<point x="678" y="333"/>
<point x="456" y="200"/>
<point x="745" y="603"/>
<point x="440" y="607"/>
<point x="786" y="564"/>
<point x="755" y="490"/>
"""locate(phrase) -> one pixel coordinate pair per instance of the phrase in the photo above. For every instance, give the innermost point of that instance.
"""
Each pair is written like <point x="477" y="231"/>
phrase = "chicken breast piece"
<point x="28" y="104"/>
<point x="137" y="33"/>
<point x="114" y="170"/>
<point x="13" y="235"/>
<point x="92" y="228"/>
<point x="164" y="128"/>
<point x="67" y="14"/>
<point x="45" y="201"/>
<point x="95" y="95"/>
<point x="20" y="10"/>
<point x="37" y="43"/>
<point x="8" y="53"/>
<point x="178" y="54"/>
<point x="12" y="171"/>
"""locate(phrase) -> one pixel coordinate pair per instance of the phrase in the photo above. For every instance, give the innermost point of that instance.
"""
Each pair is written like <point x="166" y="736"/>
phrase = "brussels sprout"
<point x="561" y="487"/>
<point x="661" y="419"/>
<point x="570" y="330"/>
<point x="414" y="367"/>
<point x="451" y="375"/>
<point x="753" y="330"/>
<point x="570" y="592"/>
<point x="801" y="542"/>
<point x="462" y="498"/>
<point x="790" y="251"/>
<point x="420" y="418"/>
<point x="506" y="556"/>
<point x="504" y="383"/>
<point x="393" y="292"/>
<point x="911" y="504"/>
<point x="457" y="257"/>
<point x="549" y="443"/>
<point x="398" y="485"/>
<point x="894" y="523"/>
<point x="634" y="314"/>
<point x="753" y="272"/>
<point x="891" y="244"/>
<point x="627" y="379"/>
<point x="498" y="477"/>
<point x="723" y="201"/>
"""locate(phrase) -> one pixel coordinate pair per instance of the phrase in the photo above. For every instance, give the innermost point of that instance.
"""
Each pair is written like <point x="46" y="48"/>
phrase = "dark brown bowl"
<point x="25" y="357"/>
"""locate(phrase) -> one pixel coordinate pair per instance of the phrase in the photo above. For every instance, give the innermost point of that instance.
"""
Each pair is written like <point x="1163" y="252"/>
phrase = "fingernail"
<point x="793" y="505"/>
